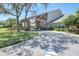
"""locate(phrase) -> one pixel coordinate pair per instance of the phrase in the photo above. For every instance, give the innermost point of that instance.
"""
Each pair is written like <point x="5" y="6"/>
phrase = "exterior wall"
<point x="22" y="23"/>
<point x="43" y="23"/>
<point x="54" y="15"/>
<point x="40" y="23"/>
<point x="57" y="25"/>
<point x="1" y="25"/>
<point x="27" y="24"/>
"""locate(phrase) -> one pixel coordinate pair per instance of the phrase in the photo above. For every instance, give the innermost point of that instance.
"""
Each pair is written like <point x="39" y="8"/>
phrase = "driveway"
<point x="47" y="43"/>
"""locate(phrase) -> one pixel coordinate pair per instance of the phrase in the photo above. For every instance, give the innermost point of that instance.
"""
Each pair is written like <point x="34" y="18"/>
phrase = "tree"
<point x="26" y="21"/>
<point x="77" y="12"/>
<point x="14" y="9"/>
<point x="30" y="7"/>
<point x="11" y="22"/>
<point x="71" y="20"/>
<point x="3" y="23"/>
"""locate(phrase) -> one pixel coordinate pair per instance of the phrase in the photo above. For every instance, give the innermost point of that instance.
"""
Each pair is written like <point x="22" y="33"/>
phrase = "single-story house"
<point x="45" y="20"/>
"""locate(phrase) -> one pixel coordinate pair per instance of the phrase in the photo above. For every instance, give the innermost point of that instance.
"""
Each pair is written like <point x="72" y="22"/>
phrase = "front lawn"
<point x="8" y="38"/>
<point x="3" y="30"/>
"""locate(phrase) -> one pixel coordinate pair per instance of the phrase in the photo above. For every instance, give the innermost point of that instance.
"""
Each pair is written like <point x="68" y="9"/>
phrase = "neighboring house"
<point x="1" y="25"/>
<point x="47" y="19"/>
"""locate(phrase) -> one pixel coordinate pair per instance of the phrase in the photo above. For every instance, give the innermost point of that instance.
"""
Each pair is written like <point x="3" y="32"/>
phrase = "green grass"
<point x="3" y="30"/>
<point x="8" y="38"/>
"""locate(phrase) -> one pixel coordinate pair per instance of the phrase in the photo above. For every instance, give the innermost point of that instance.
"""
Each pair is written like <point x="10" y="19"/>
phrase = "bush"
<point x="50" y="28"/>
<point x="62" y="29"/>
<point x="74" y="31"/>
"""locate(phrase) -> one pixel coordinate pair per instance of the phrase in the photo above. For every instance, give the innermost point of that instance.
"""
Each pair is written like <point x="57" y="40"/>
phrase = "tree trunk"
<point x="17" y="26"/>
<point x="46" y="25"/>
<point x="17" y="17"/>
<point x="27" y="25"/>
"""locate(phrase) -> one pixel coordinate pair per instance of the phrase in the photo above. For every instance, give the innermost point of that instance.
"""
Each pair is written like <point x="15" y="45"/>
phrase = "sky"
<point x="66" y="8"/>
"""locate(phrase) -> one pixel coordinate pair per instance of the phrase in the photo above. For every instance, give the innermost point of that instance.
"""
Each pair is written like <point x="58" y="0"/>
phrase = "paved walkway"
<point x="47" y="43"/>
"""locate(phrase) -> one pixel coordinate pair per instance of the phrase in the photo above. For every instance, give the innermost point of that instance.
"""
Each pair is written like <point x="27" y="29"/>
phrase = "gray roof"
<point x="41" y="14"/>
<point x="55" y="21"/>
<point x="61" y="18"/>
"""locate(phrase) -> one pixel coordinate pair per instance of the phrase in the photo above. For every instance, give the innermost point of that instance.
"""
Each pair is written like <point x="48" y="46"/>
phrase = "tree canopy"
<point x="70" y="20"/>
<point x="16" y="9"/>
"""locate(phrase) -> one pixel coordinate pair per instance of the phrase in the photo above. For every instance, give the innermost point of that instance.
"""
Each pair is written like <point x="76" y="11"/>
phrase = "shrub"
<point x="50" y="28"/>
<point x="62" y="29"/>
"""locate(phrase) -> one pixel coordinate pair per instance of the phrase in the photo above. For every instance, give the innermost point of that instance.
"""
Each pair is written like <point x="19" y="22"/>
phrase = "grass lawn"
<point x="8" y="38"/>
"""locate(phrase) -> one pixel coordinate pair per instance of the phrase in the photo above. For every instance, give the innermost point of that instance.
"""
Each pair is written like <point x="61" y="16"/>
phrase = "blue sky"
<point x="66" y="8"/>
